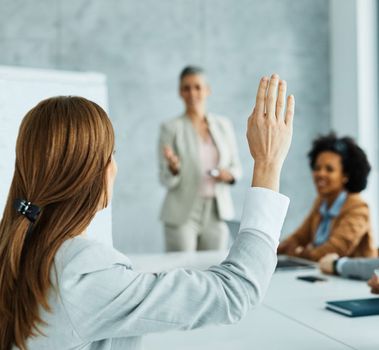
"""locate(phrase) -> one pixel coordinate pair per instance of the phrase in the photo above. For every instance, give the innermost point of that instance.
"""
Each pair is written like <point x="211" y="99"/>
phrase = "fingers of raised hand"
<point x="271" y="99"/>
<point x="259" y="108"/>
<point x="288" y="119"/>
<point x="281" y="99"/>
<point x="272" y="96"/>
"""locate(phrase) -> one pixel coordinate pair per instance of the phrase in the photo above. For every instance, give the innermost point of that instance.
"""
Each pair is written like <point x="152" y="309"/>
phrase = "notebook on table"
<point x="286" y="262"/>
<point x="355" y="307"/>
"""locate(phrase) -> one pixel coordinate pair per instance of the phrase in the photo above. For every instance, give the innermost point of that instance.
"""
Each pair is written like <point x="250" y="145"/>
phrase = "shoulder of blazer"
<point x="217" y="119"/>
<point x="173" y="123"/>
<point x="354" y="201"/>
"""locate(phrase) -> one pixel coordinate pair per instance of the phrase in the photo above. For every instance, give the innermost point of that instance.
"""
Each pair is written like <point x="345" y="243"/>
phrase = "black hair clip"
<point x="29" y="210"/>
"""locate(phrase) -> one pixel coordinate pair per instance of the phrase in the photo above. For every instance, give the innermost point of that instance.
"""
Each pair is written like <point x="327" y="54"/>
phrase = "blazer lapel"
<point x="217" y="138"/>
<point x="191" y="143"/>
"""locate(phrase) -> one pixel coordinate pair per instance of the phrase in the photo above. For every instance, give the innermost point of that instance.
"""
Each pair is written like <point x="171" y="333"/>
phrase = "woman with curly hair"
<point x="339" y="221"/>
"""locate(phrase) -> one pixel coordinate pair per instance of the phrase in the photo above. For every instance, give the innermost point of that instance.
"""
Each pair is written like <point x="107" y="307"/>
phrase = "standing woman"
<point x="339" y="221"/>
<point x="198" y="162"/>
<point x="60" y="290"/>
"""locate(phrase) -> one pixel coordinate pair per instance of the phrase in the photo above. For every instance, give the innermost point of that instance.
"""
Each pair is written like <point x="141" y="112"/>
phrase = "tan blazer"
<point x="183" y="188"/>
<point x="350" y="232"/>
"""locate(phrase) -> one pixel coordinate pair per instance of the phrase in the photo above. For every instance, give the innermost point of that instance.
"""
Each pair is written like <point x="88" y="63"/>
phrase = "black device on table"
<point x="311" y="279"/>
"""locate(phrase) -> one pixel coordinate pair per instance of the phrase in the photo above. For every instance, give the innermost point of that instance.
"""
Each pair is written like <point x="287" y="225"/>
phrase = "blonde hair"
<point x="63" y="148"/>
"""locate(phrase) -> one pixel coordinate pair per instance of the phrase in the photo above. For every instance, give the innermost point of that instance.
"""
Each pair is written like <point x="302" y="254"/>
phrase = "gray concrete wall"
<point x="142" y="45"/>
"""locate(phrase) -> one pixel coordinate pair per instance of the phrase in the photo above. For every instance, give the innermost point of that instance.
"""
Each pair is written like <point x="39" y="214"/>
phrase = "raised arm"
<point x="130" y="303"/>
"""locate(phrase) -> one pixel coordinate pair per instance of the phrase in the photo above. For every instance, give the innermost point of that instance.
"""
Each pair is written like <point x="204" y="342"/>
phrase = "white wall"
<point x="354" y="83"/>
<point x="20" y="90"/>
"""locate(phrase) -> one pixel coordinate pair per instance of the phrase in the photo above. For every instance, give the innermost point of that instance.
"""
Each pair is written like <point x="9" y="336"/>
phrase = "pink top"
<point x="208" y="161"/>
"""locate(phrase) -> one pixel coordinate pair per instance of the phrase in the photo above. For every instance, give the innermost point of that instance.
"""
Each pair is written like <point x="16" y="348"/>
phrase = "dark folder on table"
<point x="355" y="307"/>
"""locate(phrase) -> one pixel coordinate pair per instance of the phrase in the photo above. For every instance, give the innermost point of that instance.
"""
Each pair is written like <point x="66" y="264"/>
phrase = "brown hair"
<point x="63" y="148"/>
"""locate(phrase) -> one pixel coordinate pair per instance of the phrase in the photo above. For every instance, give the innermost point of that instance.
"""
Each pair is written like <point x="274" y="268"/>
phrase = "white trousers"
<point x="203" y="230"/>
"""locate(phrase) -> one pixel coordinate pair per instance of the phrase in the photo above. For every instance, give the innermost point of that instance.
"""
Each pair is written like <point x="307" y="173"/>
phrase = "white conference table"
<point x="292" y="316"/>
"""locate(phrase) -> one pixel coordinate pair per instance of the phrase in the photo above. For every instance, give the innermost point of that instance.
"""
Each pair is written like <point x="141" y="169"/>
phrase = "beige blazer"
<point x="183" y="188"/>
<point x="350" y="232"/>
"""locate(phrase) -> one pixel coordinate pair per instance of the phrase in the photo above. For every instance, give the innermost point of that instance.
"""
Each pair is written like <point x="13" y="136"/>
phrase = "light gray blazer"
<point x="183" y="188"/>
<point x="101" y="303"/>
<point x="359" y="268"/>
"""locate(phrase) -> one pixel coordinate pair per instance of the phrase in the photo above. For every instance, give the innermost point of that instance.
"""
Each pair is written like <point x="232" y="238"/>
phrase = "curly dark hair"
<point x="354" y="160"/>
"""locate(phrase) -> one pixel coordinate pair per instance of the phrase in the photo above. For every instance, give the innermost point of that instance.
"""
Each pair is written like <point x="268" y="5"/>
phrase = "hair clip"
<point x="29" y="210"/>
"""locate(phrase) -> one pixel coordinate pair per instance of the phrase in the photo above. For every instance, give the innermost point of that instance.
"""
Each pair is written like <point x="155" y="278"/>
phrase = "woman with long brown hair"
<point x="61" y="290"/>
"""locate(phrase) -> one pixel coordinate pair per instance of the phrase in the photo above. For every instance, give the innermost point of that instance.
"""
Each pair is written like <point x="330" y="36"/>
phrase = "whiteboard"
<point x="20" y="90"/>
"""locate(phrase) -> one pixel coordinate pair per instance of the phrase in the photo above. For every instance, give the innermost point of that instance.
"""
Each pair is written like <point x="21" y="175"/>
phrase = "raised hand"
<point x="269" y="131"/>
<point x="172" y="160"/>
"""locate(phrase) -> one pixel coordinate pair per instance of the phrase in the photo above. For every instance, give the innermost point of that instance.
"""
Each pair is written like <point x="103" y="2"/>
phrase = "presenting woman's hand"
<point x="224" y="176"/>
<point x="173" y="161"/>
<point x="269" y="131"/>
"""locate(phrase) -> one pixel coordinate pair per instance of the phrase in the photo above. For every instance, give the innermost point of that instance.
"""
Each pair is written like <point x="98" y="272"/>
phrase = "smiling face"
<point x="194" y="91"/>
<point x="328" y="174"/>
